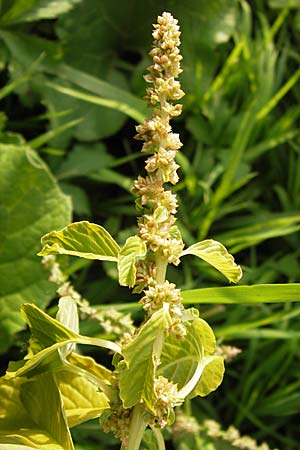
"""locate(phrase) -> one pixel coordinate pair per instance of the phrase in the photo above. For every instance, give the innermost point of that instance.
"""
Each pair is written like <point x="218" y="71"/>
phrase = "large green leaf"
<point x="216" y="254"/>
<point x="134" y="248"/>
<point x="190" y="363"/>
<point x="31" y="204"/>
<point x="30" y="10"/>
<point x="32" y="415"/>
<point x="113" y="26"/>
<point x="83" y="239"/>
<point x="137" y="371"/>
<point x="260" y="293"/>
<point x="103" y="101"/>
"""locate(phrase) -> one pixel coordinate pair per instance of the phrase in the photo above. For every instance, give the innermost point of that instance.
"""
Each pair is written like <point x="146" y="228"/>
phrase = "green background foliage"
<point x="71" y="88"/>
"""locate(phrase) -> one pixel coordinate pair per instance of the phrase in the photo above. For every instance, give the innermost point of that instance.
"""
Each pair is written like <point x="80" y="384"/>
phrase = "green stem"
<point x="159" y="438"/>
<point x="137" y="426"/>
<point x="161" y="267"/>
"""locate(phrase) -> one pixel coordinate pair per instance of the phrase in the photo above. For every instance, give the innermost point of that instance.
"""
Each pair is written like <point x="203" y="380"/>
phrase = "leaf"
<point x="260" y="293"/>
<point x="211" y="377"/>
<point x="48" y="337"/>
<point x="100" y="121"/>
<point x="32" y="415"/>
<point x="128" y="103"/>
<point x="216" y="254"/>
<point x="241" y="328"/>
<point x="44" y="329"/>
<point x="43" y="403"/>
<point x="81" y="397"/>
<point x="83" y="239"/>
<point x="260" y="230"/>
<point x="134" y="248"/>
<point x="284" y="3"/>
<point x="31" y="204"/>
<point x="84" y="159"/>
<point x="80" y="199"/>
<point x="111" y="27"/>
<point x="18" y="81"/>
<point x="31" y="10"/>
<point x="100" y="116"/>
<point x="216" y="18"/>
<point x="137" y="371"/>
<point x="94" y="370"/>
<point x="68" y="315"/>
<point x="189" y="363"/>
<point x="44" y="138"/>
<point x="109" y="176"/>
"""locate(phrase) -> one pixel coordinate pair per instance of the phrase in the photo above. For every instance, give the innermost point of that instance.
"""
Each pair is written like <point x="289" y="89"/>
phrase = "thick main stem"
<point x="137" y="427"/>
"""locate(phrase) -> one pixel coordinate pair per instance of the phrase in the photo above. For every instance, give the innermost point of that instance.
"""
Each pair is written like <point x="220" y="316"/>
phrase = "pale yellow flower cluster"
<point x="155" y="227"/>
<point x="159" y="293"/>
<point x="167" y="398"/>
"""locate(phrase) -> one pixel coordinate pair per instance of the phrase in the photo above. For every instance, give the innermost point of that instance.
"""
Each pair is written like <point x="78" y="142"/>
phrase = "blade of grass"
<point x="260" y="293"/>
<point x="110" y="176"/>
<point x="265" y="110"/>
<point x="241" y="328"/>
<point x="39" y="141"/>
<point x="237" y="151"/>
<point x="264" y="146"/>
<point x="131" y="105"/>
<point x="266" y="333"/>
<point x="96" y="100"/>
<point x="262" y="230"/>
<point x="10" y="87"/>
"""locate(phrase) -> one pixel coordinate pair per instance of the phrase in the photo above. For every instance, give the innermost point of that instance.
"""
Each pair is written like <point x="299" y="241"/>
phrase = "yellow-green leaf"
<point x="49" y="335"/>
<point x="83" y="239"/>
<point x="187" y="363"/>
<point x="137" y="371"/>
<point x="211" y="377"/>
<point x="32" y="415"/>
<point x="134" y="248"/>
<point x="82" y="398"/>
<point x="214" y="253"/>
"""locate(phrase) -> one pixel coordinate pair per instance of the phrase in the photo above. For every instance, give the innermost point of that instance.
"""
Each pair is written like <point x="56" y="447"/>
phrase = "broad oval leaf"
<point x="83" y="239"/>
<point x="186" y="362"/>
<point x="216" y="254"/>
<point x="134" y="248"/>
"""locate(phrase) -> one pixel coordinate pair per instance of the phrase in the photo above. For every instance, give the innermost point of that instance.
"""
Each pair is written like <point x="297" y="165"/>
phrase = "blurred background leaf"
<point x="32" y="204"/>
